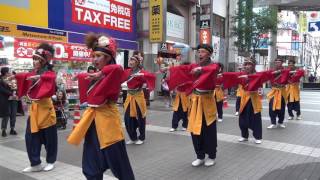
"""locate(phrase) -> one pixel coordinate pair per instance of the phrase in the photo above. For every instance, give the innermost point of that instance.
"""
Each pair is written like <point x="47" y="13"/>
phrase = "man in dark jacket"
<point x="5" y="92"/>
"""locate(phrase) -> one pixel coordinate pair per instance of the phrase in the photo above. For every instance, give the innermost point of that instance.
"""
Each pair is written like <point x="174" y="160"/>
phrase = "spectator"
<point x="5" y="92"/>
<point x="91" y="69"/>
<point x="13" y="104"/>
<point x="311" y="78"/>
<point x="59" y="105"/>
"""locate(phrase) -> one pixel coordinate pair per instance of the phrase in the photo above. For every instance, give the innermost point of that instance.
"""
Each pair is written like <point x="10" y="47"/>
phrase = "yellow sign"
<point x="7" y="29"/>
<point x="28" y="12"/>
<point x="302" y="22"/>
<point x="156" y="21"/>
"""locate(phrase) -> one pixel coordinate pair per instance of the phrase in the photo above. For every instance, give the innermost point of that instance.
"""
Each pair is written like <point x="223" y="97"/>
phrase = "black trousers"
<point x="96" y="161"/>
<point x="178" y="115"/>
<point x="220" y="109"/>
<point x="294" y="106"/>
<point x="238" y="101"/>
<point x="48" y="137"/>
<point x="249" y="120"/>
<point x="132" y="124"/>
<point x="277" y="113"/>
<point x="206" y="142"/>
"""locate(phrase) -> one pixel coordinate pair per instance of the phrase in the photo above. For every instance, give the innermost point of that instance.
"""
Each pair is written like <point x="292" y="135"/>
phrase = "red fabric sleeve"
<point x="83" y="85"/>
<point x="109" y="87"/>
<point x="296" y="76"/>
<point x="179" y="75"/>
<point x="285" y="74"/>
<point x="256" y="80"/>
<point x="150" y="78"/>
<point x="231" y="79"/>
<point x="46" y="86"/>
<point x="207" y="78"/>
<point x="22" y="83"/>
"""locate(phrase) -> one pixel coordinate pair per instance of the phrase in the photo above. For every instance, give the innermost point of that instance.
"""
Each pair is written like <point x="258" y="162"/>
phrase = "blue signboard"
<point x="314" y="26"/>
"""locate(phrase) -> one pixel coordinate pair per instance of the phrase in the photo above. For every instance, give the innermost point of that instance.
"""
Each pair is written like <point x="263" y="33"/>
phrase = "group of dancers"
<point x="199" y="99"/>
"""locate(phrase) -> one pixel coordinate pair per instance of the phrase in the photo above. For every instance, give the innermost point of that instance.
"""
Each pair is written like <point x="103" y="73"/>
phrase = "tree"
<point x="250" y="24"/>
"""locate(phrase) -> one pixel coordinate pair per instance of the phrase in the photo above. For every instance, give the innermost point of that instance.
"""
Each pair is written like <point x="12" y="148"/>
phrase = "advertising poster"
<point x="24" y="48"/>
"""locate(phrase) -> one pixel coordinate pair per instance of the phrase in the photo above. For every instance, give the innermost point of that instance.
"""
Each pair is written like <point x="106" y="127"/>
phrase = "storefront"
<point x="64" y="24"/>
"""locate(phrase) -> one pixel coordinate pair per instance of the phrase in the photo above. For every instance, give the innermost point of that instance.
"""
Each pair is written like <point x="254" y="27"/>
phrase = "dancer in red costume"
<point x="202" y="118"/>
<point x="100" y="125"/>
<point x="135" y="104"/>
<point x="39" y="85"/>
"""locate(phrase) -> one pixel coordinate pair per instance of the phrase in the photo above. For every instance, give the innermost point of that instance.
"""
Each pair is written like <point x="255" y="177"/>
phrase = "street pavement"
<point x="292" y="153"/>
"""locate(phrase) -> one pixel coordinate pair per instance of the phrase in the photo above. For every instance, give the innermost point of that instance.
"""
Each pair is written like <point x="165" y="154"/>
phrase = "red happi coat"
<point x="250" y="86"/>
<point x="295" y="78"/>
<point x="138" y="81"/>
<point x="280" y="79"/>
<point x="202" y="101"/>
<point x="45" y="87"/>
<point x="41" y="112"/>
<point x="106" y="88"/>
<point x="180" y="75"/>
<point x="252" y="83"/>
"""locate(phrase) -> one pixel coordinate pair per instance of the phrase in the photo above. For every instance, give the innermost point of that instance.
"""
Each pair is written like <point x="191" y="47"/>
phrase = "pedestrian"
<point x="39" y="85"/>
<point x="251" y="105"/>
<point x="293" y="90"/>
<point x="100" y="126"/>
<point x="219" y="94"/>
<point x="202" y="117"/>
<point x="135" y="104"/>
<point x="13" y="104"/>
<point x="277" y="96"/>
<point x="60" y="102"/>
<point x="181" y="106"/>
<point x="5" y="93"/>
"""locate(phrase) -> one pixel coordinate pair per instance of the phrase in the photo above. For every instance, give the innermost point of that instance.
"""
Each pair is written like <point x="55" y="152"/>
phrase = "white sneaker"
<point x="281" y="126"/>
<point x="197" y="162"/>
<point x="257" y="141"/>
<point x="272" y="126"/>
<point x="183" y="129"/>
<point x="242" y="139"/>
<point x="172" y="130"/>
<point x="130" y="142"/>
<point x="236" y="114"/>
<point x="36" y="168"/>
<point x="220" y="120"/>
<point x="48" y="167"/>
<point x="290" y="118"/>
<point x="139" y="142"/>
<point x="299" y="118"/>
<point x="209" y="162"/>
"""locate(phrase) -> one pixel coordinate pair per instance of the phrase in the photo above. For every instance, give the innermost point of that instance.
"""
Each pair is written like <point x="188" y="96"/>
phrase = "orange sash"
<point x="42" y="114"/>
<point x="255" y="100"/>
<point x="277" y="94"/>
<point x="201" y="104"/>
<point x="131" y="100"/>
<point x="185" y="101"/>
<point x="294" y="91"/>
<point x="107" y="122"/>
<point x="219" y="94"/>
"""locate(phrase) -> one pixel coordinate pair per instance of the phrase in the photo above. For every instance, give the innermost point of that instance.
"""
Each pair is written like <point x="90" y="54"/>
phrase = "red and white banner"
<point x="109" y="14"/>
<point x="24" y="48"/>
<point x="205" y="36"/>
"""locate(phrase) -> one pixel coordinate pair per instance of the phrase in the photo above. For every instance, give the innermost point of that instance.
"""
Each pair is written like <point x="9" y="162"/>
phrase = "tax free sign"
<point x="116" y="18"/>
<point x="101" y="13"/>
